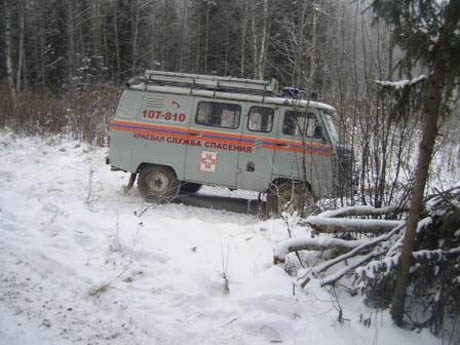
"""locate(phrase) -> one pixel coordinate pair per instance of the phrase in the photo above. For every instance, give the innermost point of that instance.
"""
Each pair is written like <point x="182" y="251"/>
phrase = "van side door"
<point x="214" y="142"/>
<point x="255" y="167"/>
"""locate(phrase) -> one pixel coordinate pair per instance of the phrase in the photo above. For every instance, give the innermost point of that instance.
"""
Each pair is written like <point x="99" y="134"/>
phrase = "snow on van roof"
<point x="232" y="96"/>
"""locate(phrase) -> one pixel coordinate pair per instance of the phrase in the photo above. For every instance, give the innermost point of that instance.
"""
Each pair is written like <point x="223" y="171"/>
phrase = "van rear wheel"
<point x="158" y="184"/>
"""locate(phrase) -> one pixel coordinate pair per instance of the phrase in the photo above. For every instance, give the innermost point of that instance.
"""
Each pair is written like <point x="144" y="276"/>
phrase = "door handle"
<point x="195" y="134"/>
<point x="281" y="144"/>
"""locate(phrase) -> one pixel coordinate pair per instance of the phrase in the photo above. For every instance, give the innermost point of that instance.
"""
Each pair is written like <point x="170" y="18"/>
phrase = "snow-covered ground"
<point x="83" y="263"/>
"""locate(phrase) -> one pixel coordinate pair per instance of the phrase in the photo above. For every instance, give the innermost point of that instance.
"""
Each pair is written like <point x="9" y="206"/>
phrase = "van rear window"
<point x="218" y="114"/>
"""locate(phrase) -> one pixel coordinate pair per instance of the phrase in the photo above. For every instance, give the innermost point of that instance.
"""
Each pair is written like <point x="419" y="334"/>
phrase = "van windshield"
<point x="331" y="126"/>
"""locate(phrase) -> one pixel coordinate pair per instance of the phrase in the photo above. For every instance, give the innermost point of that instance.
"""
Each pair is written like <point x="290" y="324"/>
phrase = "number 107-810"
<point x="168" y="116"/>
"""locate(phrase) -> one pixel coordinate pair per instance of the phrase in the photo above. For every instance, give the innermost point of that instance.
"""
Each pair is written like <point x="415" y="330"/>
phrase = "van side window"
<point x="302" y="124"/>
<point x="218" y="114"/>
<point x="260" y="119"/>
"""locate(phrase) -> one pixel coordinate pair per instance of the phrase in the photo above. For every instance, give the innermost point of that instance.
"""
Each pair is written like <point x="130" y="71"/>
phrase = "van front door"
<point x="213" y="143"/>
<point x="255" y="167"/>
<point x="302" y="150"/>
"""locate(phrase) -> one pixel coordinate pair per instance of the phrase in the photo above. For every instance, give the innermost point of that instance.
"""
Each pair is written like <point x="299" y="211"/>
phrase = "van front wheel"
<point x="287" y="197"/>
<point x="157" y="184"/>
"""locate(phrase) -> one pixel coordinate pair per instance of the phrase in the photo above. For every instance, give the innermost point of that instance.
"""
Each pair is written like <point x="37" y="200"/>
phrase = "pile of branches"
<point x="434" y="292"/>
<point x="371" y="258"/>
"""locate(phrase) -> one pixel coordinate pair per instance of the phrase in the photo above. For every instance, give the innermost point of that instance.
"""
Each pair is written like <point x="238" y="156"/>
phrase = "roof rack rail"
<point x="211" y="82"/>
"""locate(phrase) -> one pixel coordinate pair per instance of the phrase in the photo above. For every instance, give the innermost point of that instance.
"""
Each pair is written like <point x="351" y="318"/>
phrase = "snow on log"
<point x="332" y="225"/>
<point x="292" y="245"/>
<point x="354" y="211"/>
<point x="365" y="246"/>
<point x="330" y="280"/>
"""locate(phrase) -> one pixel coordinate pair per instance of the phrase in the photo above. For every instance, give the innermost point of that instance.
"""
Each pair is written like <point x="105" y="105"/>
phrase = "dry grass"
<point x="82" y="116"/>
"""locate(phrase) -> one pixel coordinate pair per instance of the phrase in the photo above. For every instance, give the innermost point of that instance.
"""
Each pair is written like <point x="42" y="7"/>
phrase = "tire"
<point x="158" y="184"/>
<point x="189" y="188"/>
<point x="286" y="196"/>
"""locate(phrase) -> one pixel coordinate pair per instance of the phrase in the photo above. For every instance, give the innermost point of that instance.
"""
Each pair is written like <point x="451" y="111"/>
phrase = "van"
<point x="178" y="131"/>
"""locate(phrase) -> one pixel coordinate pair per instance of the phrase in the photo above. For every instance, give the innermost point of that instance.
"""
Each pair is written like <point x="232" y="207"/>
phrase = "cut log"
<point x="294" y="245"/>
<point x="332" y="225"/>
<point x="360" y="211"/>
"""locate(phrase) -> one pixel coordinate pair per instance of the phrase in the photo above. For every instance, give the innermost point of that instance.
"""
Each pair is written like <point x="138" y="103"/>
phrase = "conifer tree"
<point x="428" y="33"/>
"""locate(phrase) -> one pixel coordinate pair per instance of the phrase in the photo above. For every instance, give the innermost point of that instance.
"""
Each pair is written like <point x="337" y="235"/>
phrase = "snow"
<point x="78" y="265"/>
<point x="401" y="83"/>
<point x="284" y="247"/>
<point x="357" y="211"/>
<point x="354" y="225"/>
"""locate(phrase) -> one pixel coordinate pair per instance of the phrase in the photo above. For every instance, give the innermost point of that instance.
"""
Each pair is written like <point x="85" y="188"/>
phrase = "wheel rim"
<point x="158" y="183"/>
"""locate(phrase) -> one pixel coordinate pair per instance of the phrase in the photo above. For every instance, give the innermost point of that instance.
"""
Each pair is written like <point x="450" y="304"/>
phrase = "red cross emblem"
<point x="208" y="161"/>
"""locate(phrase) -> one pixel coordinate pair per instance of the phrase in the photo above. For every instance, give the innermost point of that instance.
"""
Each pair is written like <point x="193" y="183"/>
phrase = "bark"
<point x="260" y="41"/>
<point x="8" y="48"/>
<point x="198" y="41"/>
<point x="21" y="46"/>
<point x="333" y="226"/>
<point x="71" y="39"/>
<point x="136" y="14"/>
<point x="184" y="42"/>
<point x="313" y="50"/>
<point x="294" y="245"/>
<point x="243" y="40"/>
<point x="96" y="18"/>
<point x="331" y="280"/>
<point x="432" y="107"/>
<point x="359" y="211"/>
<point x="206" y="39"/>
<point x="117" y="42"/>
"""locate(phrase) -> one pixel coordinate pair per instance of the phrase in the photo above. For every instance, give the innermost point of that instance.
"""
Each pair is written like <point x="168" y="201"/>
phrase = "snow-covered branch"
<point x="331" y="225"/>
<point x="401" y="83"/>
<point x="293" y="245"/>
<point x="356" y="211"/>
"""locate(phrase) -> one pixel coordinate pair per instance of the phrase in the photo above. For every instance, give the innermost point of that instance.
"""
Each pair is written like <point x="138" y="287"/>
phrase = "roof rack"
<point x="211" y="82"/>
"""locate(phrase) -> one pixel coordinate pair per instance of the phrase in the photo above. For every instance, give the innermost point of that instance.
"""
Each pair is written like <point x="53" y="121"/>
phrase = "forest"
<point x="58" y="54"/>
<point x="388" y="67"/>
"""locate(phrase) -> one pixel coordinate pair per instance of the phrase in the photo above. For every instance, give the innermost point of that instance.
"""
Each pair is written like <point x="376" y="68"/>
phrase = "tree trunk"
<point x="8" y="49"/>
<point x="198" y="41"/>
<point x="311" y="81"/>
<point x="136" y="7"/>
<point x="21" y="45"/>
<point x="71" y="39"/>
<point x="183" y="33"/>
<point x="117" y="42"/>
<point x="243" y="39"/>
<point x="263" y="44"/>
<point x="206" y="39"/>
<point x="432" y="107"/>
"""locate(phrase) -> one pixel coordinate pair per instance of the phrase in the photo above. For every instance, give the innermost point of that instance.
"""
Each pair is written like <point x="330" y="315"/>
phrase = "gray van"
<point x="179" y="131"/>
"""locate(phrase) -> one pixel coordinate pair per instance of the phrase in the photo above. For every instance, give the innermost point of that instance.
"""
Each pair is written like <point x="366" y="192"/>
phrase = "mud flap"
<point x="131" y="181"/>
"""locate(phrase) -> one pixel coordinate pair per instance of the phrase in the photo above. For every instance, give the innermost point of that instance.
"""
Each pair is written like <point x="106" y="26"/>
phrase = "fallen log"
<point x="293" y="245"/>
<point x="333" y="225"/>
<point x="360" y="211"/>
